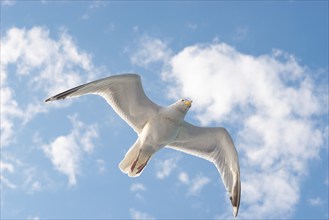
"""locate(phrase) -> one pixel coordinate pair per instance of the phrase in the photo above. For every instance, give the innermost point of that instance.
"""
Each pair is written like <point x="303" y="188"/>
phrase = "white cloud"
<point x="166" y="166"/>
<point x="326" y="181"/>
<point x="8" y="2"/>
<point x="34" y="65"/>
<point x="270" y="194"/>
<point x="7" y="182"/>
<point x="6" y="167"/>
<point x="9" y="110"/>
<point x="317" y="201"/>
<point x="136" y="28"/>
<point x="192" y="26"/>
<point x="135" y="214"/>
<point x="195" y="185"/>
<point x="34" y="60"/>
<point x="32" y="179"/>
<point x="151" y="50"/>
<point x="92" y="9"/>
<point x="184" y="178"/>
<point x="137" y="187"/>
<point x="36" y="186"/>
<point x="20" y="175"/>
<point x="97" y="4"/>
<point x="33" y="218"/>
<point x="66" y="152"/>
<point x="275" y="109"/>
<point x="241" y="33"/>
<point x="101" y="166"/>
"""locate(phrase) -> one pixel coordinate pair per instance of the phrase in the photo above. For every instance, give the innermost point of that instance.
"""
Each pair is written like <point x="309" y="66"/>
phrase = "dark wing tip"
<point x="237" y="196"/>
<point x="56" y="97"/>
<point x="51" y="99"/>
<point x="63" y="95"/>
<point x="69" y="92"/>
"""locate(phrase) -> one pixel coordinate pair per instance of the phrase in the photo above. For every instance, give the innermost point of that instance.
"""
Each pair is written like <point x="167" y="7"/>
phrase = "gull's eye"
<point x="182" y="100"/>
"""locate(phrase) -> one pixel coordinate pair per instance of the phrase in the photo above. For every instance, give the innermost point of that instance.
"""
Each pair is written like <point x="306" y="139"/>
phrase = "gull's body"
<point x="159" y="126"/>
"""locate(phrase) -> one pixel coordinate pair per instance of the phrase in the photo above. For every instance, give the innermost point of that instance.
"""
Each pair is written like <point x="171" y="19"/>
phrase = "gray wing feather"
<point x="216" y="146"/>
<point x="124" y="93"/>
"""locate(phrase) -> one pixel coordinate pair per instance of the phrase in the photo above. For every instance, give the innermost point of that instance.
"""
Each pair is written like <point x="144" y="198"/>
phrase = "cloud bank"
<point x="34" y="65"/>
<point x="32" y="58"/>
<point x="273" y="106"/>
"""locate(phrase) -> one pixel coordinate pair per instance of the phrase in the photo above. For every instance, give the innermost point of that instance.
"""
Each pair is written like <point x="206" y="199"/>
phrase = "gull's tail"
<point x="134" y="161"/>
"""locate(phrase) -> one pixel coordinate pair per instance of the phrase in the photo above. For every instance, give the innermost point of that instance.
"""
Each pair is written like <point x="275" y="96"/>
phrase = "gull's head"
<point x="184" y="105"/>
<point x="186" y="102"/>
<point x="178" y="110"/>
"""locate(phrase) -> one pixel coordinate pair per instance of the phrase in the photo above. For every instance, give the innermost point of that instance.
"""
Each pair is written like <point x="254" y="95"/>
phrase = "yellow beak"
<point x="188" y="103"/>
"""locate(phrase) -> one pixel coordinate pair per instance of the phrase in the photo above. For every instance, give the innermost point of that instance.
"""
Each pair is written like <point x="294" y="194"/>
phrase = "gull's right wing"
<point x="124" y="93"/>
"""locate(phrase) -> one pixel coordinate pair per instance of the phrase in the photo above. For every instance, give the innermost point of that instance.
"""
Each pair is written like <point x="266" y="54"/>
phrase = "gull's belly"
<point x="159" y="132"/>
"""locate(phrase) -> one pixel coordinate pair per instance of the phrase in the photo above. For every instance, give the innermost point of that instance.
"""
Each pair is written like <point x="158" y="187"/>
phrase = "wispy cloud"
<point x="9" y="111"/>
<point x="166" y="166"/>
<point x="274" y="105"/>
<point x="326" y="181"/>
<point x="93" y="6"/>
<point x="33" y="217"/>
<point x="6" y="167"/>
<point x="19" y="175"/>
<point x="183" y="177"/>
<point x="150" y="50"/>
<point x="8" y="2"/>
<point x="317" y="201"/>
<point x="101" y="166"/>
<point x="7" y="182"/>
<point x="192" y="26"/>
<point x="137" y="187"/>
<point x="136" y="214"/>
<point x="66" y="151"/>
<point x="195" y="185"/>
<point x="33" y="180"/>
<point x="241" y="33"/>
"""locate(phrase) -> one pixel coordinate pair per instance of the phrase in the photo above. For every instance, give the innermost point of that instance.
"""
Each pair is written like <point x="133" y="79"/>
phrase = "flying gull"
<point x="159" y="127"/>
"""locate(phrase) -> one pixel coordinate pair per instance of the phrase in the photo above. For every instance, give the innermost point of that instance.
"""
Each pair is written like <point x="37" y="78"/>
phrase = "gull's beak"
<point x="188" y="103"/>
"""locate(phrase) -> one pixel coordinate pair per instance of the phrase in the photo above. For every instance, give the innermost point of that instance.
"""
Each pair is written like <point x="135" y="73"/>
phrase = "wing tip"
<point x="49" y="99"/>
<point x="54" y="98"/>
<point x="235" y="198"/>
<point x="237" y="205"/>
<point x="235" y="211"/>
<point x="68" y="93"/>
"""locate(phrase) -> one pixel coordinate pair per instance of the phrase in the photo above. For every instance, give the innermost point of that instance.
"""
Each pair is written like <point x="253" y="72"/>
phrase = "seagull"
<point x="158" y="127"/>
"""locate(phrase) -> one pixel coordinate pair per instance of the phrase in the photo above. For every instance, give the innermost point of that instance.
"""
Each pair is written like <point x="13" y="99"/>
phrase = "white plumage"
<point x="159" y="127"/>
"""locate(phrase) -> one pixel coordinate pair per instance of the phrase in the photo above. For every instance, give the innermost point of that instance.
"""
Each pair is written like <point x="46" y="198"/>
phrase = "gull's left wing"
<point x="124" y="93"/>
<point x="216" y="146"/>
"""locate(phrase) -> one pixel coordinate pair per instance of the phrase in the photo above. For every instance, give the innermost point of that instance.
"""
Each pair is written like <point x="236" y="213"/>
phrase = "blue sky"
<point x="260" y="69"/>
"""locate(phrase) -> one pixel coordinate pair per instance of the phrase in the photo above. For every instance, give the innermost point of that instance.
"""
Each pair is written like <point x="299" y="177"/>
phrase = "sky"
<point x="259" y="69"/>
